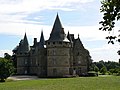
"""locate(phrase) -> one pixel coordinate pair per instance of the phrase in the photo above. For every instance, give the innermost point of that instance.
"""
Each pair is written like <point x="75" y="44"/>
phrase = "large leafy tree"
<point x="103" y="70"/>
<point x="7" y="56"/>
<point x="111" y="14"/>
<point x="6" y="69"/>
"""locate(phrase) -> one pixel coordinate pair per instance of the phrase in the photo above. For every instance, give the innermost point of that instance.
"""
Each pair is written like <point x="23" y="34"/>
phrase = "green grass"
<point x="82" y="83"/>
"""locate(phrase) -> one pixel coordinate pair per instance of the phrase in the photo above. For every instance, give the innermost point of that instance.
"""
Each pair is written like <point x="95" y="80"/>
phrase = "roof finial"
<point x="57" y="13"/>
<point x="78" y="35"/>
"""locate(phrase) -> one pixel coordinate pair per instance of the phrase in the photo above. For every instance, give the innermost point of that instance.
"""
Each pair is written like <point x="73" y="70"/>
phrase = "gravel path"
<point x="23" y="77"/>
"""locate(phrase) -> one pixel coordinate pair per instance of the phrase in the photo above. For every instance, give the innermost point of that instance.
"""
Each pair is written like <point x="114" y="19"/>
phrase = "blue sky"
<point x="77" y="16"/>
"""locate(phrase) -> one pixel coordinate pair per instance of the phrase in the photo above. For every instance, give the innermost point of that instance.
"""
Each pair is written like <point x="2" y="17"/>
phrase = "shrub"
<point x="92" y="73"/>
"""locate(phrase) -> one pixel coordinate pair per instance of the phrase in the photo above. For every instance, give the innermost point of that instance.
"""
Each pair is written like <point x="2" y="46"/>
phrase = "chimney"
<point x="35" y="41"/>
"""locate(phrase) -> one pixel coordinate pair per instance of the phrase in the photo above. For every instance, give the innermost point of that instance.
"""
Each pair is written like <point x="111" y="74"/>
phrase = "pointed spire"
<point x="57" y="33"/>
<point x="42" y="41"/>
<point x="24" y="45"/>
<point x="25" y="39"/>
<point x="57" y="24"/>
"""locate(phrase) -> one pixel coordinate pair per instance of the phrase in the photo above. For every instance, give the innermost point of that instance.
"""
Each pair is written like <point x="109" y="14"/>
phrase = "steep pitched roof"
<point x="24" y="45"/>
<point x="57" y="33"/>
<point x="78" y="43"/>
<point x="42" y="41"/>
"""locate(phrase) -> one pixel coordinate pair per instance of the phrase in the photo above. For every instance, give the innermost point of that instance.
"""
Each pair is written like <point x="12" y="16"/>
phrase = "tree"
<point x="96" y="69"/>
<point x="6" y="69"/>
<point x="99" y="64"/>
<point x="7" y="56"/>
<point x="103" y="70"/>
<point x="111" y="14"/>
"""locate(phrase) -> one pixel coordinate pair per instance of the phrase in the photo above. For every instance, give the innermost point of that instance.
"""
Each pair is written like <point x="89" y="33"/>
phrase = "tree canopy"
<point x="6" y="69"/>
<point x="111" y="14"/>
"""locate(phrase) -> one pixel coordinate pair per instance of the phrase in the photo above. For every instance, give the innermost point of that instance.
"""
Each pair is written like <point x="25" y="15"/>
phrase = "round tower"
<point x="22" y="55"/>
<point x="58" y="52"/>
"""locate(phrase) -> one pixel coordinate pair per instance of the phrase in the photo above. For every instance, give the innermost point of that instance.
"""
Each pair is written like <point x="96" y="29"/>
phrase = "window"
<point x="36" y="62"/>
<point x="60" y="42"/>
<point x="54" y="61"/>
<point x="54" y="71"/>
<point x="26" y="72"/>
<point x="31" y="61"/>
<point x="66" y="43"/>
<point x="53" y="42"/>
<point x="79" y="62"/>
<point x="54" y="52"/>
<point x="25" y="61"/>
<point x="48" y="43"/>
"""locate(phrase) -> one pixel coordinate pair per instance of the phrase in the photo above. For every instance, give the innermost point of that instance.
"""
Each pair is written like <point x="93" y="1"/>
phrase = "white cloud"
<point x="14" y="6"/>
<point x="89" y="32"/>
<point x="105" y="52"/>
<point x="5" y="51"/>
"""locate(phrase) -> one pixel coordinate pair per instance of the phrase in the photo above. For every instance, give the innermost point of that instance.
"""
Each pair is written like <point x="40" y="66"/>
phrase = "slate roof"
<point x="58" y="33"/>
<point x="23" y="45"/>
<point x="42" y="40"/>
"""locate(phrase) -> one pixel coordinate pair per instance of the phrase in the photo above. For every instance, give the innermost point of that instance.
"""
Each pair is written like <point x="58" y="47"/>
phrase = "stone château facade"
<point x="60" y="56"/>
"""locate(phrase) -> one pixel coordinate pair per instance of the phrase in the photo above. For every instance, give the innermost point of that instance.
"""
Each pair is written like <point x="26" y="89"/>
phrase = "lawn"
<point x="81" y="83"/>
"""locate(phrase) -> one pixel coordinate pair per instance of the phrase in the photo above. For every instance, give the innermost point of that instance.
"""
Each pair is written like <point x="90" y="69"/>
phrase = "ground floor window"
<point x="26" y="71"/>
<point x="54" y="71"/>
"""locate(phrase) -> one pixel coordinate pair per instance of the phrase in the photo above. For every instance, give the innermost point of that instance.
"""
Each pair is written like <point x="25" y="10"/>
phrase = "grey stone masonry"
<point x="60" y="56"/>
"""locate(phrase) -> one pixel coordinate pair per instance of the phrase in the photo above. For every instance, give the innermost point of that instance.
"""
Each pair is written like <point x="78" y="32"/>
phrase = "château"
<point x="60" y="56"/>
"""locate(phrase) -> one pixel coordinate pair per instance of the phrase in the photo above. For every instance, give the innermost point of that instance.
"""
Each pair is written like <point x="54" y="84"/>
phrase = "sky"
<point x="77" y="16"/>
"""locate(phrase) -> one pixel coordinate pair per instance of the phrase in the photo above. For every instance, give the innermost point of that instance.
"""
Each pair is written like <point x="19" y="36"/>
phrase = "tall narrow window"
<point x="25" y="61"/>
<point x="26" y="72"/>
<point x="53" y="42"/>
<point x="54" y="61"/>
<point x="79" y="62"/>
<point x="54" y="71"/>
<point x="36" y="61"/>
<point x="54" y="52"/>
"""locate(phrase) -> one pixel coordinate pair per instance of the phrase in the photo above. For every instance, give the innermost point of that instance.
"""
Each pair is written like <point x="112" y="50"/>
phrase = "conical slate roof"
<point x="57" y="33"/>
<point x="24" y="45"/>
<point x="42" y="41"/>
